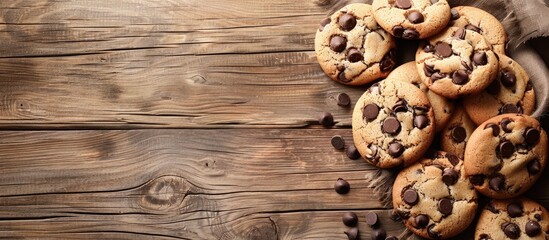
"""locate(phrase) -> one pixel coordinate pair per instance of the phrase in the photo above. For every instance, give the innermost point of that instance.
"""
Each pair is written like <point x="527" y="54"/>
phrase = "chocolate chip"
<point x="370" y="112"/>
<point x="403" y="4"/>
<point x="459" y="134"/>
<point x="338" y="43"/>
<point x="497" y="183"/>
<point x="453" y="159"/>
<point x="428" y="48"/>
<point x="449" y="176"/>
<point x="428" y="70"/>
<point x="491" y="208"/>
<point x="391" y="238"/>
<point x="323" y="23"/>
<point x="460" y="77"/>
<point x="495" y="128"/>
<point x="538" y="217"/>
<point x="534" y="167"/>
<point x="454" y="14"/>
<point x="352" y="233"/>
<point x="506" y="149"/>
<point x="443" y="49"/>
<point x="432" y="233"/>
<point x="338" y="142"/>
<point x="480" y="58"/>
<point x="400" y="106"/>
<point x="343" y="100"/>
<point x="379" y="234"/>
<point x="511" y="230"/>
<point x="350" y="219"/>
<point x="531" y="136"/>
<point x="421" y="121"/>
<point x="410" y="197"/>
<point x="395" y="149"/>
<point x="510" y="108"/>
<point x="347" y="22"/>
<point x="514" y="209"/>
<point x="484" y="236"/>
<point x="354" y="55"/>
<point x="459" y="33"/>
<point x="437" y="76"/>
<point x="445" y="206"/>
<point x="508" y="79"/>
<point x="371" y="219"/>
<point x="415" y="17"/>
<point x="391" y="126"/>
<point x="398" y="31"/>
<point x="473" y="28"/>
<point x="388" y="61"/>
<point x="532" y="228"/>
<point x="373" y="152"/>
<point x="326" y="119"/>
<point x="352" y="153"/>
<point x="410" y="34"/>
<point x="341" y="186"/>
<point x="505" y="125"/>
<point x="434" y="1"/>
<point x="528" y="86"/>
<point x="403" y="214"/>
<point x="341" y="76"/>
<point x="493" y="88"/>
<point x="421" y="221"/>
<point x="477" y="180"/>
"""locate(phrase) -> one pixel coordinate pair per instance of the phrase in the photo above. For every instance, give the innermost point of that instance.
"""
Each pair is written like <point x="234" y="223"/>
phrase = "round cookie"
<point x="442" y="107"/>
<point x="456" y="62"/>
<point x="478" y="20"/>
<point x="412" y="19"/>
<point x="352" y="49"/>
<point x="456" y="134"/>
<point x="510" y="92"/>
<point x="505" y="155"/>
<point x="433" y="197"/>
<point x="393" y="124"/>
<point x="519" y="218"/>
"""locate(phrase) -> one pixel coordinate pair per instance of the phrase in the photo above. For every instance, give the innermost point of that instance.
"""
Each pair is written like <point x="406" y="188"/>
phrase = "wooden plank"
<point x="182" y="184"/>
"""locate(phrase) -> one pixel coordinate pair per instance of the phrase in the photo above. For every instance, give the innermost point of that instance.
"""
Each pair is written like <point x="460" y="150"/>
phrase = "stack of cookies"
<point x="455" y="121"/>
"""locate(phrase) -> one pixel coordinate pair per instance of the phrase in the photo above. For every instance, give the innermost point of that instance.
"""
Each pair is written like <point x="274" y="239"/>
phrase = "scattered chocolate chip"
<point x="432" y="233"/>
<point x="323" y="23"/>
<point x="506" y="149"/>
<point x="347" y="22"/>
<point x="341" y="76"/>
<point x="338" y="142"/>
<point x="352" y="153"/>
<point x="493" y="88"/>
<point x="453" y="159"/>
<point x="350" y="219"/>
<point x="403" y="4"/>
<point x="410" y="34"/>
<point x="454" y="14"/>
<point x="459" y="33"/>
<point x="514" y="209"/>
<point x="343" y="100"/>
<point x="496" y="183"/>
<point x="354" y="55"/>
<point x="534" y="167"/>
<point x="532" y="228"/>
<point x="370" y="112"/>
<point x="341" y="186"/>
<point x="511" y="230"/>
<point x="531" y="136"/>
<point x="508" y="79"/>
<point x="398" y="31"/>
<point x="352" y="233"/>
<point x="443" y="49"/>
<point x="379" y="234"/>
<point x="491" y="208"/>
<point x="326" y="119"/>
<point x="395" y="149"/>
<point x="372" y="219"/>
<point x="529" y="86"/>
<point x="421" y="121"/>
<point x="494" y="127"/>
<point x="338" y="43"/>
<point x="459" y="134"/>
<point x="410" y="197"/>
<point x="437" y="76"/>
<point x="480" y="58"/>
<point x="391" y="125"/>
<point x="445" y="206"/>
<point x="373" y="152"/>
<point x="505" y="125"/>
<point x="391" y="238"/>
<point x="388" y="61"/>
<point x="421" y="221"/>
<point x="510" y="108"/>
<point x="449" y="176"/>
<point x="473" y="28"/>
<point x="415" y="17"/>
<point x="460" y="77"/>
<point x="477" y="180"/>
<point x="428" y="70"/>
<point x="484" y="236"/>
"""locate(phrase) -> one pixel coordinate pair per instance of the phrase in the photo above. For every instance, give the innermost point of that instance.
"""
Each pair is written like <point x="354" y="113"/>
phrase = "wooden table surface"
<point x="175" y="119"/>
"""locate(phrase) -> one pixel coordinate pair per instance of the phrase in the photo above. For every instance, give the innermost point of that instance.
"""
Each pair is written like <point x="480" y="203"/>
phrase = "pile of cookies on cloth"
<point x="455" y="122"/>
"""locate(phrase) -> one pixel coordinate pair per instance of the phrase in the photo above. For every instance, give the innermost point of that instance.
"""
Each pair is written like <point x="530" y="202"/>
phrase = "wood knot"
<point x="164" y="193"/>
<point x="264" y="230"/>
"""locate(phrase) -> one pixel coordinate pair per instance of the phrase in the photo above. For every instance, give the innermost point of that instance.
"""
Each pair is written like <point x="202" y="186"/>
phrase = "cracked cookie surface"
<point x="510" y="92"/>
<point x="506" y="155"/>
<point x="456" y="62"/>
<point x="454" y="137"/>
<point x="519" y="218"/>
<point x="352" y="48"/>
<point x="393" y="124"/>
<point x="433" y="197"/>
<point x="442" y="107"/>
<point x="412" y="19"/>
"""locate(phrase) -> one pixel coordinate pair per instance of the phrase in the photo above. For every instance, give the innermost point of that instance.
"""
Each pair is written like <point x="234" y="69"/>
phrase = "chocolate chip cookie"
<point x="478" y="20"/>
<point x="412" y="19"/>
<point x="456" y="134"/>
<point x="393" y="124"/>
<point x="505" y="155"/>
<point x="352" y="48"/>
<point x="442" y="107"/>
<point x="433" y="197"/>
<point x="511" y="92"/>
<point x="513" y="219"/>
<point x="456" y="62"/>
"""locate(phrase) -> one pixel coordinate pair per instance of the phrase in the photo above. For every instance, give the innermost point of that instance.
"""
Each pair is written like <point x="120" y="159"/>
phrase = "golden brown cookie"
<point x="454" y="137"/>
